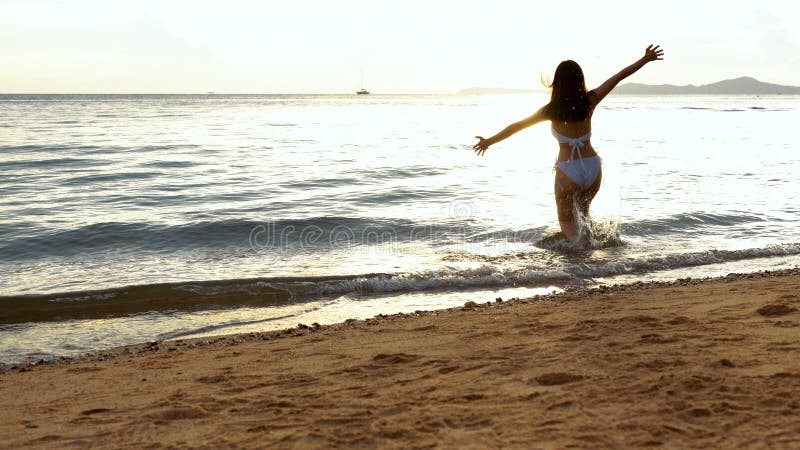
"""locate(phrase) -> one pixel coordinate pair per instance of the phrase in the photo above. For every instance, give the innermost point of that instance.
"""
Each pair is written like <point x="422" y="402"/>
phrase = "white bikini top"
<point x="576" y="144"/>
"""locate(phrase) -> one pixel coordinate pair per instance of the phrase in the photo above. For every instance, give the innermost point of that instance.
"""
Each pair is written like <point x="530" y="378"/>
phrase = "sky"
<point x="411" y="46"/>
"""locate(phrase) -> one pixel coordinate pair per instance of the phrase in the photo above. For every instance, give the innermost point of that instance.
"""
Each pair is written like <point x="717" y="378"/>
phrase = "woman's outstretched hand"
<point x="481" y="146"/>
<point x="653" y="53"/>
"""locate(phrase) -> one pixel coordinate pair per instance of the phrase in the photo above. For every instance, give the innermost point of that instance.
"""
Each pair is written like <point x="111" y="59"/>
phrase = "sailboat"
<point x="362" y="91"/>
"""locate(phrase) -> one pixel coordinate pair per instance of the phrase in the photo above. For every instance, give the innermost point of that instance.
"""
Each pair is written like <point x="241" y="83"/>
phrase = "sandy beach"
<point x="692" y="363"/>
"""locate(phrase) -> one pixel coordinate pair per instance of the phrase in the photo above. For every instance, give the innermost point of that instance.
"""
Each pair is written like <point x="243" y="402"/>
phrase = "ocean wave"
<point x="170" y="164"/>
<point x="26" y="241"/>
<point x="398" y="196"/>
<point x="119" y="236"/>
<point x="539" y="270"/>
<point x="326" y="232"/>
<point x="688" y="221"/>
<point x="129" y="300"/>
<point x="318" y="183"/>
<point x="100" y="178"/>
<point x="49" y="163"/>
<point x="384" y="173"/>
<point x="655" y="263"/>
<point x="25" y="148"/>
<point x="274" y="291"/>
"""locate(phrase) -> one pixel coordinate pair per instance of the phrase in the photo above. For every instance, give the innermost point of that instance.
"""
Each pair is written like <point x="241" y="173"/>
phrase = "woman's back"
<point x="565" y="132"/>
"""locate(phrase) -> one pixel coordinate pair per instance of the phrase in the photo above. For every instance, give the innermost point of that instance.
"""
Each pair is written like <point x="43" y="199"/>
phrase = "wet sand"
<point x="693" y="363"/>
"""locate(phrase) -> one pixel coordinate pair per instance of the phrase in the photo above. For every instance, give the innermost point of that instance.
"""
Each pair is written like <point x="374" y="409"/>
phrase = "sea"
<point x="137" y="218"/>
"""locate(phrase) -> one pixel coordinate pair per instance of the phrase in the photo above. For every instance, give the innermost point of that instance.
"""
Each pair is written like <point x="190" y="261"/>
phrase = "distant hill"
<point x="736" y="86"/>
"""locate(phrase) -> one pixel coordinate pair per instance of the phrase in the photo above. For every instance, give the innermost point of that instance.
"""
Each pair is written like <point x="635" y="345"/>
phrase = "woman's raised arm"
<point x="651" y="53"/>
<point x="483" y="144"/>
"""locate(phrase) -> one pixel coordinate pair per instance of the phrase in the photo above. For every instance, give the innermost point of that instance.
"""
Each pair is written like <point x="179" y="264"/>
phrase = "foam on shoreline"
<point x="570" y="293"/>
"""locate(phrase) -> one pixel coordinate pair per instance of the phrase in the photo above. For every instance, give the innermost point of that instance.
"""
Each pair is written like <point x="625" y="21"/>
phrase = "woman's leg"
<point x="569" y="197"/>
<point x="565" y="190"/>
<point x="585" y="198"/>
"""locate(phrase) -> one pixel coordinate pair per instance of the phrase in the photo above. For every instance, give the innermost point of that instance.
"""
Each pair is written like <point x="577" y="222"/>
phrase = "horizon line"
<point x="520" y="90"/>
<point x="224" y="93"/>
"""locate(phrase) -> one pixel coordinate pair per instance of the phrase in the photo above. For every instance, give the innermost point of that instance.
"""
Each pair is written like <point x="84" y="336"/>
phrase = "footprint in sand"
<point x="448" y="369"/>
<point x="775" y="310"/>
<point x="179" y="413"/>
<point x="84" y="369"/>
<point x="724" y="362"/>
<point x="553" y="379"/>
<point x="212" y="379"/>
<point x="394" y="358"/>
<point x="89" y="412"/>
<point x="680" y="320"/>
<point x="657" y="339"/>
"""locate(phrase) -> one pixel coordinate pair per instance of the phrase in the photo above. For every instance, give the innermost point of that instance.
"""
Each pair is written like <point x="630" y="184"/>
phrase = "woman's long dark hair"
<point x="569" y="101"/>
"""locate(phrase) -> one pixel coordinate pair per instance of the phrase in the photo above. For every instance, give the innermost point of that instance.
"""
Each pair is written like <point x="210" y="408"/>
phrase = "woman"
<point x="578" y="172"/>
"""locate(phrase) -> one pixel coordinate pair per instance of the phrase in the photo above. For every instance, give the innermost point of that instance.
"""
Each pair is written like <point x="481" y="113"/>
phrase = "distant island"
<point x="736" y="86"/>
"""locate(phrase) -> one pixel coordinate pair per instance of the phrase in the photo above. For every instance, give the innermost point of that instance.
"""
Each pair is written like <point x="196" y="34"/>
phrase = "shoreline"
<point x="689" y="363"/>
<point x="238" y="338"/>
